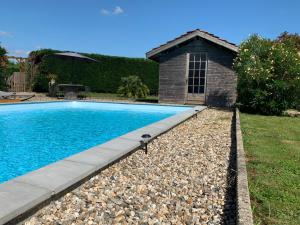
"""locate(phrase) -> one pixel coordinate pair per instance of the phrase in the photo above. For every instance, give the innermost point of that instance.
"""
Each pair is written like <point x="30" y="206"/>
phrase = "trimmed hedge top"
<point x="102" y="76"/>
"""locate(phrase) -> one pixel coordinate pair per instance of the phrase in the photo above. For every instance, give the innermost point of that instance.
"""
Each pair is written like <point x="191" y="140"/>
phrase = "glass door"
<point x="196" y="75"/>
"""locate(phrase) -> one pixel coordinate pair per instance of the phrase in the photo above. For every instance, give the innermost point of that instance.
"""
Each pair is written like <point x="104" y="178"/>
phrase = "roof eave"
<point x="156" y="51"/>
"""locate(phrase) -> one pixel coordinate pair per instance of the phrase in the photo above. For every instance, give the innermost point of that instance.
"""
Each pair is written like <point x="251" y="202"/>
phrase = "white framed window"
<point x="197" y="73"/>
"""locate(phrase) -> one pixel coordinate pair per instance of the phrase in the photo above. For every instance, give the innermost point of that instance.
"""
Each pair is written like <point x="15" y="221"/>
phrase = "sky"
<point x="132" y="27"/>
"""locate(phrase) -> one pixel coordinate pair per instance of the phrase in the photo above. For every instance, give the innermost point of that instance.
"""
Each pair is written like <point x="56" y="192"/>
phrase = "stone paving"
<point x="182" y="180"/>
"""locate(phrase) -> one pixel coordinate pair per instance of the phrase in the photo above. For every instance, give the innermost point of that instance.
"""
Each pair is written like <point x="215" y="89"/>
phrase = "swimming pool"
<point x="37" y="134"/>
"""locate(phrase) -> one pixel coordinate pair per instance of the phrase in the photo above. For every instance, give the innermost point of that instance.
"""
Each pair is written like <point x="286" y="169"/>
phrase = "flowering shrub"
<point x="268" y="76"/>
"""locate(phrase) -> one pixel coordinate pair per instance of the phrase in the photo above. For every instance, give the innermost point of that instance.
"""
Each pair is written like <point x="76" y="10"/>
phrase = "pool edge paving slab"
<point x="24" y="193"/>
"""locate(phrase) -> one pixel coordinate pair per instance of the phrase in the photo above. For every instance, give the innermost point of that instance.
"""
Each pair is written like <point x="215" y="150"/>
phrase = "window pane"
<point x="202" y="73"/>
<point x="191" y="65"/>
<point x="203" y="64"/>
<point x="201" y="89"/>
<point x="197" y="72"/>
<point x="202" y="80"/>
<point x="196" y="89"/>
<point x="191" y="57"/>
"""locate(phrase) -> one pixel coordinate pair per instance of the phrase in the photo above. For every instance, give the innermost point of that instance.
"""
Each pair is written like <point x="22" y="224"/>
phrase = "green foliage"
<point x="293" y="39"/>
<point x="12" y="67"/>
<point x="268" y="76"/>
<point x="7" y="68"/>
<point x="103" y="76"/>
<point x="133" y="87"/>
<point x="3" y="67"/>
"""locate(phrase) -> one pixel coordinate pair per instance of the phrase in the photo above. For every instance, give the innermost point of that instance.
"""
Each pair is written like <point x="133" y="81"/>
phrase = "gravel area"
<point x="182" y="180"/>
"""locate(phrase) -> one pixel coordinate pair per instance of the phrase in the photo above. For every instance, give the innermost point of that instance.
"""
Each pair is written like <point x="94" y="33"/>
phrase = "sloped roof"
<point x="189" y="35"/>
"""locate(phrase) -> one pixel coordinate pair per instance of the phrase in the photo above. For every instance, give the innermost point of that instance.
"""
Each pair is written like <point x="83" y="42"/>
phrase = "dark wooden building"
<point x="196" y="68"/>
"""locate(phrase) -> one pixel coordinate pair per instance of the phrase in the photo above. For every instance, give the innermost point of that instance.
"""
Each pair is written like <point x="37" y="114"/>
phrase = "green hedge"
<point x="104" y="76"/>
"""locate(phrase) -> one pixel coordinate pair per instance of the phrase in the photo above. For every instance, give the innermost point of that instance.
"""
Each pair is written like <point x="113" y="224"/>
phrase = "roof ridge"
<point x="190" y="32"/>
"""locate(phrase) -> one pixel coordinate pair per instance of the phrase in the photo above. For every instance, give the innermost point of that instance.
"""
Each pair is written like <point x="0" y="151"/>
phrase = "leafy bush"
<point x="104" y="76"/>
<point x="11" y="68"/>
<point x="133" y="87"/>
<point x="286" y="37"/>
<point x="3" y="67"/>
<point x="268" y="76"/>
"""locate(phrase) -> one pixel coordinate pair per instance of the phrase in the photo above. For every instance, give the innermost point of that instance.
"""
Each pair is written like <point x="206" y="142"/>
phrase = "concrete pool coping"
<point x="24" y="193"/>
<point x="99" y="101"/>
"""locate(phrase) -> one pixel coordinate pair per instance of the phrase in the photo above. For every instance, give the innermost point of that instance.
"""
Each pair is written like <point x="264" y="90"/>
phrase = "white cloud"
<point x="20" y="52"/>
<point x="38" y="47"/>
<point x="116" y="11"/>
<point x="105" y="12"/>
<point x="5" y="34"/>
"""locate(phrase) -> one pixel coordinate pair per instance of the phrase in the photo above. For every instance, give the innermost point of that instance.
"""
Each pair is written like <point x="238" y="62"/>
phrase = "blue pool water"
<point x="35" y="135"/>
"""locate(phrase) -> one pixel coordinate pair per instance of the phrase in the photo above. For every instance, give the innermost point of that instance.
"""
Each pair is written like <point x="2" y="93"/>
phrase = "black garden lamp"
<point x="196" y="110"/>
<point x="145" y="140"/>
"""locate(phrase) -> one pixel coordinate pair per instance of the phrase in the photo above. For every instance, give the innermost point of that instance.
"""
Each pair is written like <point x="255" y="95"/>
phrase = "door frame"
<point x="187" y="77"/>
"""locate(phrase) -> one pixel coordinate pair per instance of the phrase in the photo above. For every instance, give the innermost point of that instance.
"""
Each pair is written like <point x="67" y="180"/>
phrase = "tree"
<point x="3" y="67"/>
<point x="133" y="87"/>
<point x="293" y="39"/>
<point x="12" y="67"/>
<point x="268" y="75"/>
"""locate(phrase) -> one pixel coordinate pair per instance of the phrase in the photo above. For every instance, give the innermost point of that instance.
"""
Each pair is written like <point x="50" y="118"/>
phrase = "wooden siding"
<point x="172" y="80"/>
<point x="220" y="78"/>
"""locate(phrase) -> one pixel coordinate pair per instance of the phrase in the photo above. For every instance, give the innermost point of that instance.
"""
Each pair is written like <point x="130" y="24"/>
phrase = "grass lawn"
<point x="114" y="96"/>
<point x="272" y="146"/>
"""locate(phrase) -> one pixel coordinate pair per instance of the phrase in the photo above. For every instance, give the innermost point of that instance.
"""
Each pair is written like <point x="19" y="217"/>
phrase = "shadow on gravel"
<point x="229" y="213"/>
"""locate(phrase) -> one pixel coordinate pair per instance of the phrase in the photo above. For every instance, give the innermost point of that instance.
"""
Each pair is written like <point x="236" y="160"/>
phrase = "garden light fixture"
<point x="196" y="110"/>
<point x="145" y="140"/>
